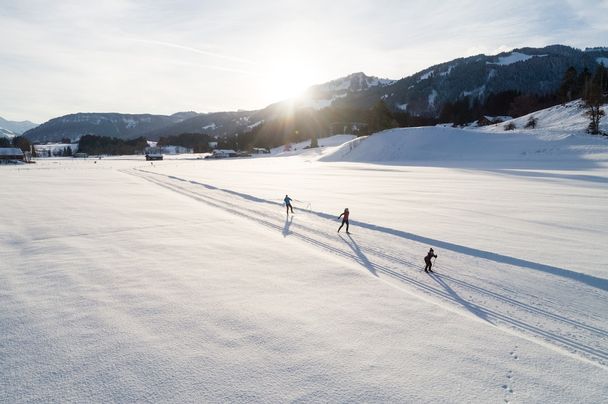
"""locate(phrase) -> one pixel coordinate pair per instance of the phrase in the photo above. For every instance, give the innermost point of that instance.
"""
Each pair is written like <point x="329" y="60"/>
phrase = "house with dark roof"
<point x="10" y="155"/>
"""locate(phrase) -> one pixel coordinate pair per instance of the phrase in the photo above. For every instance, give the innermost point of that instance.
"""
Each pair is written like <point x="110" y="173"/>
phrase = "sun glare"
<point x="289" y="79"/>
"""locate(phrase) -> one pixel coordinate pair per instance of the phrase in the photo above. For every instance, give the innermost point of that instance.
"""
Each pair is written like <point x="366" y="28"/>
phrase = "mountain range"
<point x="14" y="128"/>
<point x="525" y="70"/>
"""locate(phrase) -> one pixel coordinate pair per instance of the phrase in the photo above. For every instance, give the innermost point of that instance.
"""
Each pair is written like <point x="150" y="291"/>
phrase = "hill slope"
<point x="559" y="136"/>
<point x="122" y="126"/>
<point x="528" y="70"/>
<point x="16" y="127"/>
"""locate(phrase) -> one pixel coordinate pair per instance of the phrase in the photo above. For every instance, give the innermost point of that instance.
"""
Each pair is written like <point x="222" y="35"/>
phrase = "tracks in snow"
<point x="517" y="307"/>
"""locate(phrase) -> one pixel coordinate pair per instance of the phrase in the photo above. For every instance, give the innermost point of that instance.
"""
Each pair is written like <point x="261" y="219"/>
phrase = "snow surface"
<point x="346" y="83"/>
<point x="447" y="72"/>
<point x="570" y="118"/>
<point x="445" y="145"/>
<point x="514" y="57"/>
<point x="7" y="133"/>
<point x="130" y="122"/>
<point x="53" y="147"/>
<point x="298" y="148"/>
<point x="10" y="151"/>
<point x="183" y="280"/>
<point x="256" y="124"/>
<point x="321" y="96"/>
<point x="317" y="104"/>
<point x="431" y="98"/>
<point x="426" y="75"/>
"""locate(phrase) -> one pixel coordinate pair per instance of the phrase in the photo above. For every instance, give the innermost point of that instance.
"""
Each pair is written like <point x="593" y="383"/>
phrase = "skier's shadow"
<point x="361" y="257"/>
<point x="590" y="280"/>
<point x="288" y="220"/>
<point x="476" y="310"/>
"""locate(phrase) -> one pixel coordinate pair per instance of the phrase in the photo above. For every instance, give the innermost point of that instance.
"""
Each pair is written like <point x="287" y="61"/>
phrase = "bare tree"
<point x="593" y="97"/>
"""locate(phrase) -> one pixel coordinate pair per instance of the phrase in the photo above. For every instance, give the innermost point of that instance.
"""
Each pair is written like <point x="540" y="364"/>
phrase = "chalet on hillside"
<point x="10" y="155"/>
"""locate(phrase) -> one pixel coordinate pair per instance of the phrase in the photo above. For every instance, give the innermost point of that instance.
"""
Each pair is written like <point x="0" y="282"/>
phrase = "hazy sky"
<point x="157" y="56"/>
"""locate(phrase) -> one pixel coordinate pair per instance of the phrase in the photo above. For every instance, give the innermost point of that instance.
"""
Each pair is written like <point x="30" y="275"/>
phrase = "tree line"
<point x="93" y="144"/>
<point x="20" y="142"/>
<point x="198" y="142"/>
<point x="309" y="124"/>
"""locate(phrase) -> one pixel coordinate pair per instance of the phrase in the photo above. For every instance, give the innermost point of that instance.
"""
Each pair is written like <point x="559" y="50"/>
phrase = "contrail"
<point x="195" y="50"/>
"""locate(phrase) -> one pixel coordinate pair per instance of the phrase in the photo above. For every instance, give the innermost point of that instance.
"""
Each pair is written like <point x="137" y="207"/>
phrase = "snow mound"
<point x="451" y="144"/>
<point x="570" y="118"/>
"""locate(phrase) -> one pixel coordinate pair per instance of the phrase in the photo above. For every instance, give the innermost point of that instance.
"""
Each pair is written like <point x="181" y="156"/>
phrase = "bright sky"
<point x="162" y="56"/>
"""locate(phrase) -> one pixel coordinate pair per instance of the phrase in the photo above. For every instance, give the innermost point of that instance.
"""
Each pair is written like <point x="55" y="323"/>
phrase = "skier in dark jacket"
<point x="428" y="262"/>
<point x="344" y="216"/>
<point x="288" y="206"/>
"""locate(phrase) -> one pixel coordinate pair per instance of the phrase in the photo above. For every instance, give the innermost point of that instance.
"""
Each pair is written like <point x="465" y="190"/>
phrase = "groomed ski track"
<point x="515" y="295"/>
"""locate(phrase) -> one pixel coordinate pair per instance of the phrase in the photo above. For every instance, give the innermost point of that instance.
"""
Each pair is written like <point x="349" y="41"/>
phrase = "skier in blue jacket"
<point x="288" y="206"/>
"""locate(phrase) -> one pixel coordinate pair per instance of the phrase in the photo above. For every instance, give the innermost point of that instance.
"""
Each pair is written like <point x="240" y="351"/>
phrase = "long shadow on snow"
<point x="525" y="306"/>
<point x="577" y="163"/>
<point x="506" y="299"/>
<point x="590" y="280"/>
<point x="361" y="257"/>
<point x="364" y="260"/>
<point x="545" y="175"/>
<point x="444" y="292"/>
<point x="288" y="221"/>
<point x="371" y="267"/>
<point x="456" y="297"/>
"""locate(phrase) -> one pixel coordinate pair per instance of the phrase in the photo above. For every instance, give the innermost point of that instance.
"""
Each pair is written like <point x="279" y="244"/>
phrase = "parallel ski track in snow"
<point x="549" y="326"/>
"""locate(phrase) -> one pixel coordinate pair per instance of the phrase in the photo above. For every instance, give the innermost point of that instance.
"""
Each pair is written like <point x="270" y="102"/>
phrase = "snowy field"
<point x="184" y="280"/>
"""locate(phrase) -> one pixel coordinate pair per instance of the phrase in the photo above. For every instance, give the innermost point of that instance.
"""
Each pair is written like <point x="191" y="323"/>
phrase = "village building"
<point x="260" y="150"/>
<point x="10" y="155"/>
<point x="223" y="153"/>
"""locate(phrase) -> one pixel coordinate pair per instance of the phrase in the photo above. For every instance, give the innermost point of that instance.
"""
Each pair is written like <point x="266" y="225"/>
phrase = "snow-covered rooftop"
<point x="10" y="151"/>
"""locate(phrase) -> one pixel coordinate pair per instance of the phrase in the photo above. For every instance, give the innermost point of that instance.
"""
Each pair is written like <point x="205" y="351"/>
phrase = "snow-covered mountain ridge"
<point x="16" y="127"/>
<point x="106" y="124"/>
<point x="7" y="133"/>
<point x="526" y="70"/>
<point x="352" y="83"/>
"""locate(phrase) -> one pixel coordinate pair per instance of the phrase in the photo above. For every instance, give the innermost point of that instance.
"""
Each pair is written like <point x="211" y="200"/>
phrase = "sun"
<point x="289" y="78"/>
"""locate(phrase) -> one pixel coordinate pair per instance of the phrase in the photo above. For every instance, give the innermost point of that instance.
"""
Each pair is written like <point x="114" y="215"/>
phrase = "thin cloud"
<point x="194" y="50"/>
<point x="215" y="67"/>
<point x="157" y="57"/>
